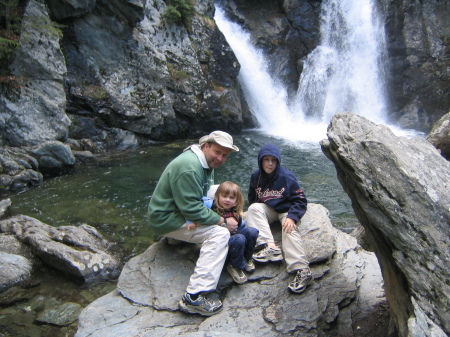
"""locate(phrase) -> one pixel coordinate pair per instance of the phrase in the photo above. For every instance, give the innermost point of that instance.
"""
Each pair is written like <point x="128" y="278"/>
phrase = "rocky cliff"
<point x="119" y="74"/>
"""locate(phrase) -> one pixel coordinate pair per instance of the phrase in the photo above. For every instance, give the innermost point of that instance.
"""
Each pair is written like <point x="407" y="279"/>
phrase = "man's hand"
<point x="232" y="225"/>
<point x="191" y="226"/>
<point x="289" y="225"/>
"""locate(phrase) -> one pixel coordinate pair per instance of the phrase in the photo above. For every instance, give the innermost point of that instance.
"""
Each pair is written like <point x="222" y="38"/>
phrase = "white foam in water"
<point x="344" y="73"/>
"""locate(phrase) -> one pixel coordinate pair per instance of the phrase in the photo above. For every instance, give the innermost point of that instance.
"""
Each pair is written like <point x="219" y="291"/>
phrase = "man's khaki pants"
<point x="213" y="252"/>
<point x="260" y="216"/>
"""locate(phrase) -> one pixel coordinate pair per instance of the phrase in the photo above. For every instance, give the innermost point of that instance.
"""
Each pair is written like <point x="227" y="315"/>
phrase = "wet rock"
<point x="15" y="269"/>
<point x="54" y="157"/>
<point x="19" y="170"/>
<point x="439" y="136"/>
<point x="78" y="251"/>
<point x="61" y="315"/>
<point x="5" y="204"/>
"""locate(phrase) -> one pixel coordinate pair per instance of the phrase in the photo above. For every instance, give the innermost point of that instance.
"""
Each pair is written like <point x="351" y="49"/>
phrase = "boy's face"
<point x="227" y="201"/>
<point x="269" y="164"/>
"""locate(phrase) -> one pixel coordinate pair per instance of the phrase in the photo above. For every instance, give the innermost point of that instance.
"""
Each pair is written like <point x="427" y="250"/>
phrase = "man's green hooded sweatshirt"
<point x="178" y="194"/>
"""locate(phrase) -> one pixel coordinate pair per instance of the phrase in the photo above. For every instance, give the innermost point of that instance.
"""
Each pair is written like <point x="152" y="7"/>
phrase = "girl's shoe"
<point x="249" y="266"/>
<point x="237" y="274"/>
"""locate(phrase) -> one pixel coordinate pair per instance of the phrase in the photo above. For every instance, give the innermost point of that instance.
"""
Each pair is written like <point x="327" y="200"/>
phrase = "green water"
<point x="113" y="196"/>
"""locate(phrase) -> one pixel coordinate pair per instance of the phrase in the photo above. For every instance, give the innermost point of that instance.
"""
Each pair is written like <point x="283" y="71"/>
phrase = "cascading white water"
<point x="344" y="73"/>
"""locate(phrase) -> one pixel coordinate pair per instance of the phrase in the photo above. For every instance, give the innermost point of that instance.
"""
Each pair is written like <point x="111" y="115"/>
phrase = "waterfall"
<point x="344" y="73"/>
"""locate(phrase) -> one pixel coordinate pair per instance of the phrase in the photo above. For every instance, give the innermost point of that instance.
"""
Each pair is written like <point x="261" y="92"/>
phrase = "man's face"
<point x="215" y="154"/>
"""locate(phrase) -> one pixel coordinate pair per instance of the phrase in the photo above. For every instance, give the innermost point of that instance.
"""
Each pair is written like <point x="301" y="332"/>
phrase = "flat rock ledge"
<point x="346" y="299"/>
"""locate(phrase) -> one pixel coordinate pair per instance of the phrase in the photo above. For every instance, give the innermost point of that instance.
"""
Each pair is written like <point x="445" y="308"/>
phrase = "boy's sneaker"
<point x="237" y="274"/>
<point x="202" y="305"/>
<point x="268" y="254"/>
<point x="249" y="266"/>
<point x="300" y="281"/>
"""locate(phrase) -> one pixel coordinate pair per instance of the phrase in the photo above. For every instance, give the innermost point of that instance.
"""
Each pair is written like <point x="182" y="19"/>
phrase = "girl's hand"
<point x="289" y="225"/>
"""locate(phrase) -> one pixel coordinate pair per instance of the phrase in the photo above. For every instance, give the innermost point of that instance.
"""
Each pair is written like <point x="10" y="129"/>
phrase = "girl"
<point x="228" y="202"/>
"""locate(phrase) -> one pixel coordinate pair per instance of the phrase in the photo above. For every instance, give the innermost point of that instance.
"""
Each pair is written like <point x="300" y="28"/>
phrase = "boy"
<point x="275" y="195"/>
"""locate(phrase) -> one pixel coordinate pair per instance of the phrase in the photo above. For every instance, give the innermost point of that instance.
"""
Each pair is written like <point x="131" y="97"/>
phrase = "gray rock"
<point x="61" y="315"/>
<point x="54" y="157"/>
<point x="419" y="72"/>
<point x="36" y="111"/>
<point x="10" y="244"/>
<point x="145" y="303"/>
<point x="63" y="9"/>
<point x="400" y="193"/>
<point x="78" y="251"/>
<point x="5" y="204"/>
<point x="19" y="170"/>
<point x="15" y="269"/>
<point x="439" y="136"/>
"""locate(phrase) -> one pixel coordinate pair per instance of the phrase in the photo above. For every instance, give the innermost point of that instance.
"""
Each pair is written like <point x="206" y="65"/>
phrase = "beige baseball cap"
<point x="219" y="137"/>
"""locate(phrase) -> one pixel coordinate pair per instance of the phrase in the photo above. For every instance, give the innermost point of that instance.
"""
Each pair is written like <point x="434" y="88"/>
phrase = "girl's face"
<point x="227" y="201"/>
<point x="269" y="164"/>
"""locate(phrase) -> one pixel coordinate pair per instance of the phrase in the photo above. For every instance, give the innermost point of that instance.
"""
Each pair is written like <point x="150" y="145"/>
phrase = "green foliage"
<point x="10" y="18"/>
<point x="45" y="24"/>
<point x="95" y="92"/>
<point x="6" y="47"/>
<point x="172" y="15"/>
<point x="176" y="74"/>
<point x="179" y="11"/>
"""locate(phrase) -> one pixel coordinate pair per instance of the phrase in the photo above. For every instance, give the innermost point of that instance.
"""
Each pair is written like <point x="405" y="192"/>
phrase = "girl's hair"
<point x="230" y="188"/>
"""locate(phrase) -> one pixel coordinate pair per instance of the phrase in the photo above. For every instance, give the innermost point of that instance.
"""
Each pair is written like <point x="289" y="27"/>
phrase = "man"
<point x="177" y="198"/>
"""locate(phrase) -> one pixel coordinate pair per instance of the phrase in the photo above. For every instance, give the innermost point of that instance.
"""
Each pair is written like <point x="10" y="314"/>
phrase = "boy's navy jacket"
<point x="281" y="190"/>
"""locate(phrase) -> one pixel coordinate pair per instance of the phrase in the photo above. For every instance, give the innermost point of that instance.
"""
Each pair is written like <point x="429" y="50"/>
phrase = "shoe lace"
<point x="207" y="301"/>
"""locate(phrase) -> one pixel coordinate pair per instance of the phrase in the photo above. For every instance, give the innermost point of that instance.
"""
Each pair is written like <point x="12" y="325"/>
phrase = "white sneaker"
<point x="300" y="281"/>
<point x="268" y="254"/>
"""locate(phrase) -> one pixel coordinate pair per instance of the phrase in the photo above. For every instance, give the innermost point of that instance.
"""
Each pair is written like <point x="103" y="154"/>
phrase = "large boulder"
<point x="400" y="193"/>
<point x="54" y="157"/>
<point x="77" y="251"/>
<point x="346" y="298"/>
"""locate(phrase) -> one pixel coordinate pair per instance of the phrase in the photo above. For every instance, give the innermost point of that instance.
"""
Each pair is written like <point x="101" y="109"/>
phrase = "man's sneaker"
<point x="249" y="266"/>
<point x="301" y="280"/>
<point x="237" y="274"/>
<point x="202" y="305"/>
<point x="268" y="254"/>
